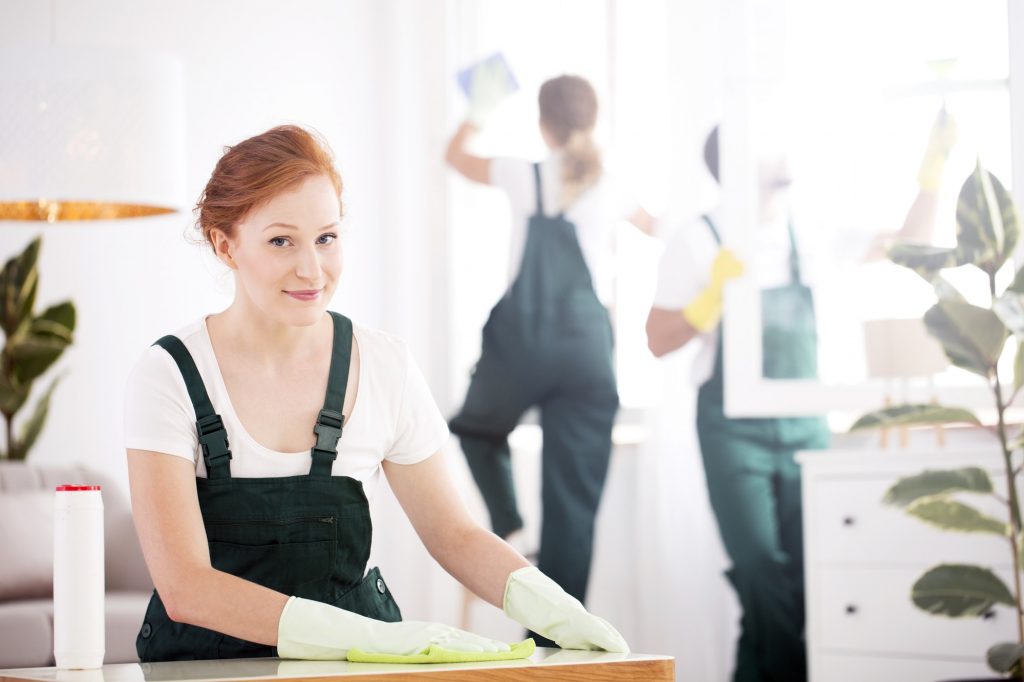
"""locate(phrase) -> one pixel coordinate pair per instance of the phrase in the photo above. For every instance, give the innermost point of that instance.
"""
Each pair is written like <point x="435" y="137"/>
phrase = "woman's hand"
<point x="313" y="630"/>
<point x="538" y="603"/>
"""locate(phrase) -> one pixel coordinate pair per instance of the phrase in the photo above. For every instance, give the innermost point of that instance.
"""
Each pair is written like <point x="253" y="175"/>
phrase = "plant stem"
<point x="1011" y="484"/>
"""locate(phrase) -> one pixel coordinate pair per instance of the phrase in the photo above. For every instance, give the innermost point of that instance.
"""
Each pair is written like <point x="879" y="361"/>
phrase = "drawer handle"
<point x="848" y="520"/>
<point x="851" y="609"/>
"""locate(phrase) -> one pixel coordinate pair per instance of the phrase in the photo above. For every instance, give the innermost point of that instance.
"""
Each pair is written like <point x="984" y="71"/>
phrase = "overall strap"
<point x="539" y="211"/>
<point x="794" y="255"/>
<point x="711" y="226"/>
<point x="213" y="439"/>
<point x="330" y="420"/>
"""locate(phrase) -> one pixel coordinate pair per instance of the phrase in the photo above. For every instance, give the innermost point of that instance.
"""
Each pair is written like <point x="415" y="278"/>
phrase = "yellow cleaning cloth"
<point x="436" y="654"/>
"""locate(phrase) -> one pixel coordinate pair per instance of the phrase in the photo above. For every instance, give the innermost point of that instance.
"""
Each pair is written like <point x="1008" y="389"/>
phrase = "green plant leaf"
<point x="945" y="290"/>
<point x="1018" y="367"/>
<point x="57" y="321"/>
<point x="907" y="415"/>
<point x="33" y="355"/>
<point x="1017" y="285"/>
<point x="926" y="261"/>
<point x="932" y="483"/>
<point x="12" y="397"/>
<point x="1009" y="308"/>
<point x="18" y="281"/>
<point x="959" y="590"/>
<point x="987" y="224"/>
<point x="972" y="337"/>
<point x="62" y="314"/>
<point x="1005" y="657"/>
<point x="953" y="515"/>
<point x="31" y="429"/>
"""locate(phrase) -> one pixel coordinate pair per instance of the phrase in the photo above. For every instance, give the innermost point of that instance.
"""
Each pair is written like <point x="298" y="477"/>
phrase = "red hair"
<point x="256" y="170"/>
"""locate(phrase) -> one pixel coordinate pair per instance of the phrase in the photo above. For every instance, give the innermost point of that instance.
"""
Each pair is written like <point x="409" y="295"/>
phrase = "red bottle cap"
<point x="68" y="487"/>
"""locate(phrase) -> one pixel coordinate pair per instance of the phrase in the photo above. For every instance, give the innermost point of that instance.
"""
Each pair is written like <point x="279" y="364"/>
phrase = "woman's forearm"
<point x="225" y="603"/>
<point x="480" y="560"/>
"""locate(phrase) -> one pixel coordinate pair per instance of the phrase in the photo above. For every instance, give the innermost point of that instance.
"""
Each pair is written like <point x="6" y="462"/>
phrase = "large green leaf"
<point x="987" y="224"/>
<point x="931" y="483"/>
<point x="57" y="321"/>
<point x="925" y="260"/>
<point x="973" y="337"/>
<point x="33" y="355"/>
<point x="31" y="429"/>
<point x="907" y="415"/>
<point x="12" y="396"/>
<point x="1005" y="657"/>
<point x="953" y="515"/>
<point x="18" y="280"/>
<point x="958" y="590"/>
<point x="62" y="314"/>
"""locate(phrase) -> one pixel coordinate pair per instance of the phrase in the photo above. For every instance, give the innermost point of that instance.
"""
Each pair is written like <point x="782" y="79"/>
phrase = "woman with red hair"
<point x="256" y="435"/>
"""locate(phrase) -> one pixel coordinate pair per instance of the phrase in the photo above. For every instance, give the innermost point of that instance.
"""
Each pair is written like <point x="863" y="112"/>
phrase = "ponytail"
<point x="581" y="166"/>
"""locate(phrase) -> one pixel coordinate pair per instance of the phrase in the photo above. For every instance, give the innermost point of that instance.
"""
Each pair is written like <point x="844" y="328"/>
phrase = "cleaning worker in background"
<point x="251" y="499"/>
<point x="548" y="341"/>
<point x="753" y="480"/>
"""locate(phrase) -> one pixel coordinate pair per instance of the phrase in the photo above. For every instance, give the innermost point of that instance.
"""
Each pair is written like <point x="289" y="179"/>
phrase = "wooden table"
<point x="544" y="664"/>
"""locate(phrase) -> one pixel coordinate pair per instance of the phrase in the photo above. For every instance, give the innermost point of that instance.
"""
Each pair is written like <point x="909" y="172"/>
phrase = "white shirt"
<point x="394" y="416"/>
<point x="685" y="270"/>
<point x="594" y="213"/>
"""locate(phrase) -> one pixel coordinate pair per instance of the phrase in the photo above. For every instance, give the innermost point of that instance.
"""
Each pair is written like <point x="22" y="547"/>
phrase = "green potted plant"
<point x="32" y="344"/>
<point x="975" y="338"/>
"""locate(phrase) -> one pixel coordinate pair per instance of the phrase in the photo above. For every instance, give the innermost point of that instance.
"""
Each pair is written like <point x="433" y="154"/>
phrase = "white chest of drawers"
<point x="862" y="557"/>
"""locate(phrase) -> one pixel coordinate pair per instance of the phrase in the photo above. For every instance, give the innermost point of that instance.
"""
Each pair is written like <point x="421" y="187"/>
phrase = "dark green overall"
<point x="547" y="342"/>
<point x="307" y="536"/>
<point x="754" y="487"/>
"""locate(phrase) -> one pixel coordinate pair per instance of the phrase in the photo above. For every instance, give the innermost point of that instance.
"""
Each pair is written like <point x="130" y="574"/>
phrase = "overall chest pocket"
<point x="294" y="556"/>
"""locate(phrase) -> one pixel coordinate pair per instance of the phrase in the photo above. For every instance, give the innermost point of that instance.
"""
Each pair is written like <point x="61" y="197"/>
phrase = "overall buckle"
<point x="328" y="431"/>
<point x="213" y="439"/>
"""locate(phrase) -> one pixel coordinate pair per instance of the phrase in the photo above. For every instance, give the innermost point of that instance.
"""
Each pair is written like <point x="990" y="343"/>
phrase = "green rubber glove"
<point x="940" y="141"/>
<point x="705" y="310"/>
<point x="313" y="630"/>
<point x="536" y="602"/>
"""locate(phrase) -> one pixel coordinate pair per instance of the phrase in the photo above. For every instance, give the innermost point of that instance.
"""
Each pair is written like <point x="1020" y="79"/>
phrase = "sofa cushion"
<point x="26" y="536"/>
<point x="26" y="634"/>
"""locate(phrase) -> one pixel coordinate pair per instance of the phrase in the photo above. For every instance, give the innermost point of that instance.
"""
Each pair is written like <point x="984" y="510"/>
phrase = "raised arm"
<point x="470" y="166"/>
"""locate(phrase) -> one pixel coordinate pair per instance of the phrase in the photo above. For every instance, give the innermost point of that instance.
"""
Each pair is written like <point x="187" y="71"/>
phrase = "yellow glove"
<point x="705" y="310"/>
<point x="940" y="142"/>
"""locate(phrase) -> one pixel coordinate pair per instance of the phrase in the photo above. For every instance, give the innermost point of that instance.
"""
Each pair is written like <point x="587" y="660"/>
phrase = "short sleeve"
<point x="680" y="274"/>
<point x="515" y="178"/>
<point x="420" y="430"/>
<point x="158" y="414"/>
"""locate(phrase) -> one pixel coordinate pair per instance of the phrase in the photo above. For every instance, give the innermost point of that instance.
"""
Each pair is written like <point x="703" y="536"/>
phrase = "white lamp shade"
<point x="91" y="127"/>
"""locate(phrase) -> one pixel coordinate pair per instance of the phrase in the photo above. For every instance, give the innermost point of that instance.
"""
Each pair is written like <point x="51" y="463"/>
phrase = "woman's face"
<point x="286" y="254"/>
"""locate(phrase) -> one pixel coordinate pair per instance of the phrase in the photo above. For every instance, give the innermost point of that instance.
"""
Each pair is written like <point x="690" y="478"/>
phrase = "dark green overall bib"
<point x="307" y="536"/>
<point x="547" y="342"/>
<point x="754" y="487"/>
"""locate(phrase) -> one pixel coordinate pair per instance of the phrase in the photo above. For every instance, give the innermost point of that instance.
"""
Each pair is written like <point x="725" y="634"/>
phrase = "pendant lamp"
<point x="90" y="134"/>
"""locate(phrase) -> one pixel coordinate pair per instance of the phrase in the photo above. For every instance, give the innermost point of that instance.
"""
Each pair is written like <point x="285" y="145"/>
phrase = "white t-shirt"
<point x="394" y="416"/>
<point x="685" y="269"/>
<point x="594" y="213"/>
